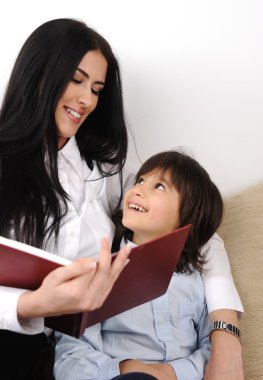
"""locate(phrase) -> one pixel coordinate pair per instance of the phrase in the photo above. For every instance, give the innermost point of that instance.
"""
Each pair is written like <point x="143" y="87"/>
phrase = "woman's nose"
<point x="85" y="98"/>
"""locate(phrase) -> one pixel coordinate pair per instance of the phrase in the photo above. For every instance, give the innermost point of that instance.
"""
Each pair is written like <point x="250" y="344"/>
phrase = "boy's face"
<point x="151" y="207"/>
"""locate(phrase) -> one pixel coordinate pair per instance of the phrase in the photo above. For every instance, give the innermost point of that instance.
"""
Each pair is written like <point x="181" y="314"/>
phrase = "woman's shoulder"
<point x="215" y="256"/>
<point x="215" y="242"/>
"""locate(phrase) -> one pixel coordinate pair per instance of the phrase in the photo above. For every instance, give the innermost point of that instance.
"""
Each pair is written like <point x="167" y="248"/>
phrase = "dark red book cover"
<point x="147" y="276"/>
<point x="23" y="266"/>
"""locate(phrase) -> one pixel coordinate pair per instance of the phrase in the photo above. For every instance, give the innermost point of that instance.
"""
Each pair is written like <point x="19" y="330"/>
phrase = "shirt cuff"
<point x="8" y="314"/>
<point x="110" y="369"/>
<point x="221" y="293"/>
<point x="184" y="370"/>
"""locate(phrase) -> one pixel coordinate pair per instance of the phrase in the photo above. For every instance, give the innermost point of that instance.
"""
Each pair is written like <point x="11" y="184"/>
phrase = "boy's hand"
<point x="162" y="371"/>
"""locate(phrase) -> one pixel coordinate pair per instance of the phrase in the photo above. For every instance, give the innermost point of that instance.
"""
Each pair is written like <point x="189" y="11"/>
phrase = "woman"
<point x="46" y="191"/>
<point x="63" y="144"/>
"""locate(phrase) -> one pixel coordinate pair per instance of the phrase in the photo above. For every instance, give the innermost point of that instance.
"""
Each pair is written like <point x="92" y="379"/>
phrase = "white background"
<point x="192" y="74"/>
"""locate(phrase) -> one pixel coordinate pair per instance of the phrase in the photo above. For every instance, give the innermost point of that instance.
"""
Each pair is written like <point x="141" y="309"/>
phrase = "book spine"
<point x="70" y="324"/>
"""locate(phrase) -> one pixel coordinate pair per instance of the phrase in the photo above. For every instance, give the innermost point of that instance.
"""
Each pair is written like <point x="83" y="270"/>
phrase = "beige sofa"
<point x="242" y="231"/>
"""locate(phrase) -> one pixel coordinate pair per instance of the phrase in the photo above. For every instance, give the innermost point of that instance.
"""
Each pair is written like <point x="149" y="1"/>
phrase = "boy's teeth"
<point x="136" y="207"/>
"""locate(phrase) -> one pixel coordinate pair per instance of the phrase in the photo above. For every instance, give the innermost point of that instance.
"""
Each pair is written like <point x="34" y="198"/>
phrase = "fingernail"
<point x="126" y="262"/>
<point x="128" y="249"/>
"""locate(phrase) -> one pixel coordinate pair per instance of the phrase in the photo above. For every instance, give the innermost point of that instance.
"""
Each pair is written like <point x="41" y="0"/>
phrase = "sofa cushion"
<point x="242" y="231"/>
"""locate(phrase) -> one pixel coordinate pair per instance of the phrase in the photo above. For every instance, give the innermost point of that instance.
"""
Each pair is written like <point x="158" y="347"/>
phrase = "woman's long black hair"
<point x="32" y="201"/>
<point x="201" y="203"/>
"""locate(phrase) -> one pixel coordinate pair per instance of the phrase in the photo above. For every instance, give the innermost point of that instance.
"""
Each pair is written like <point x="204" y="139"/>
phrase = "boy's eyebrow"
<point x="87" y="76"/>
<point x="167" y="183"/>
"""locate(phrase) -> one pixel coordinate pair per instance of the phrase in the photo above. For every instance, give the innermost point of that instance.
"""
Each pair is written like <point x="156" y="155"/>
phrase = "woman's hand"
<point x="82" y="285"/>
<point x="162" y="371"/>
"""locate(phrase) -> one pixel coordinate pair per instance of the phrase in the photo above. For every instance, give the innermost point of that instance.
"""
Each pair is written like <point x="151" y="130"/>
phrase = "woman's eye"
<point x="76" y="80"/>
<point x="95" y="92"/>
<point x="159" y="186"/>
<point x="140" y="181"/>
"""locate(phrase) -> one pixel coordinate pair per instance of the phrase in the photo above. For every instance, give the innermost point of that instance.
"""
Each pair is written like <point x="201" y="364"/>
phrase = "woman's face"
<point x="81" y="95"/>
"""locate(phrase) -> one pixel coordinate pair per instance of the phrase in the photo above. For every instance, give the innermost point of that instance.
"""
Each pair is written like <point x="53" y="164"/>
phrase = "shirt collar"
<point x="70" y="153"/>
<point x="124" y="242"/>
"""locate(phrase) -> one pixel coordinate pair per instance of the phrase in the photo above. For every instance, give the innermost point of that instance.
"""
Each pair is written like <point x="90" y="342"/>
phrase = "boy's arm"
<point x="193" y="366"/>
<point x="83" y="358"/>
<point x="190" y="368"/>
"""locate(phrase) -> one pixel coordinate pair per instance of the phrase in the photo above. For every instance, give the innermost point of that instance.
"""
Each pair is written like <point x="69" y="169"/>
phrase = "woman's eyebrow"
<point x="87" y="76"/>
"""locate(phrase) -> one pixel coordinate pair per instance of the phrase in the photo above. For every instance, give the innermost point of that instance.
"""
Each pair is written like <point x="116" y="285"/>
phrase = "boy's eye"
<point x="140" y="181"/>
<point x="159" y="186"/>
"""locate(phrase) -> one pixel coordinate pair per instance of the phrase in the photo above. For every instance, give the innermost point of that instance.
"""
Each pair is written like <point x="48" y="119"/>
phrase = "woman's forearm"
<point x="226" y="353"/>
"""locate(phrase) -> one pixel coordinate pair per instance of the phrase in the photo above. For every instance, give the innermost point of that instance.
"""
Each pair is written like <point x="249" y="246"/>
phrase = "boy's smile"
<point x="136" y="207"/>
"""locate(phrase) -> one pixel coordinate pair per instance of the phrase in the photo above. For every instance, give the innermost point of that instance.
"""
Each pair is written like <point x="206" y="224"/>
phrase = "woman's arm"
<point x="226" y="356"/>
<point x="224" y="305"/>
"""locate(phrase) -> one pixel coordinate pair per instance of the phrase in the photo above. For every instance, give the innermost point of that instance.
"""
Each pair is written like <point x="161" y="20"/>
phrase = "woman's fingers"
<point x="120" y="261"/>
<point x="107" y="272"/>
<point x="112" y="267"/>
<point x="77" y="268"/>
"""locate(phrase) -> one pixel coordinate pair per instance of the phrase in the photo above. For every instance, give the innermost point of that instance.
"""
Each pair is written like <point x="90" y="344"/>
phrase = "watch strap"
<point x="227" y="327"/>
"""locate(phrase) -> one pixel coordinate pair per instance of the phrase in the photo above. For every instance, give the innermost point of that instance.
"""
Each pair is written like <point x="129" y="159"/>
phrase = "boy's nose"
<point x="137" y="190"/>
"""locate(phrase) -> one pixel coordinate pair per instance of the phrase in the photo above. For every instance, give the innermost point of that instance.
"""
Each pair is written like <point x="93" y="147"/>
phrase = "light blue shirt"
<point x="171" y="329"/>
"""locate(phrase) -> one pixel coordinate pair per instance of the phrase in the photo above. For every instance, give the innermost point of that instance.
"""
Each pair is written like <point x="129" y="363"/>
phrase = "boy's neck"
<point x="140" y="238"/>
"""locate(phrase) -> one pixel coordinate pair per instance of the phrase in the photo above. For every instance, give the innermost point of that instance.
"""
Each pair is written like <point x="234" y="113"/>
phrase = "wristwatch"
<point x="227" y="327"/>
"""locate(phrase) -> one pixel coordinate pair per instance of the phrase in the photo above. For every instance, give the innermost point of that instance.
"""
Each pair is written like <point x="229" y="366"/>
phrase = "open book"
<point x="147" y="276"/>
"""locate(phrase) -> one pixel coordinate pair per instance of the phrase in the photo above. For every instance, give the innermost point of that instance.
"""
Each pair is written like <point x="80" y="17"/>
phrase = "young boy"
<point x="169" y="336"/>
